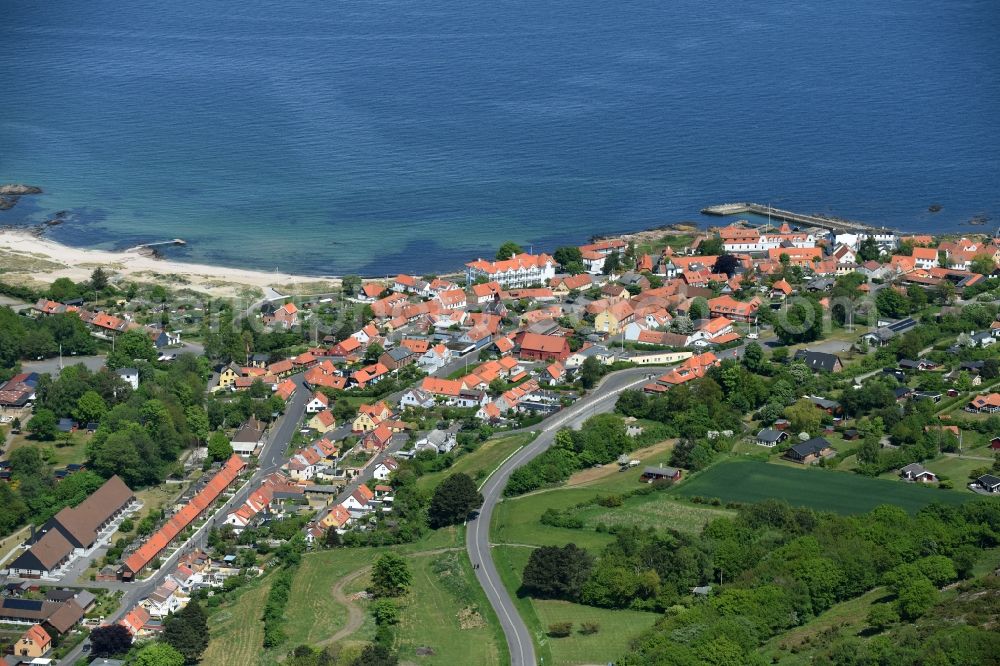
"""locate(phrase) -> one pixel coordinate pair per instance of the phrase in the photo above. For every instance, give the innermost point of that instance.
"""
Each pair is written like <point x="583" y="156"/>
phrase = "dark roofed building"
<point x="810" y="451"/>
<point x="73" y="528"/>
<point x="769" y="437"/>
<point x="65" y="617"/>
<point x="397" y="357"/>
<point x="819" y="361"/>
<point x="47" y="554"/>
<point x="651" y="474"/>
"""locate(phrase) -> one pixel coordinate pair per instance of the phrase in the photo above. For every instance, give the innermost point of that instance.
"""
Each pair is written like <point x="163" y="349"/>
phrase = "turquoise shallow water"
<point x="380" y="136"/>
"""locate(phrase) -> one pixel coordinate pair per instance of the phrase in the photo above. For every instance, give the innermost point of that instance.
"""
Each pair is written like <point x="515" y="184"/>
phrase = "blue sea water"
<point x="381" y="136"/>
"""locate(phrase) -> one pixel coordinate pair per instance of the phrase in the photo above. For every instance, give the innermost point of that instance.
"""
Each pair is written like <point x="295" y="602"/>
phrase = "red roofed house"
<point x="536" y="347"/>
<point x="286" y="316"/>
<point x="34" y="643"/>
<point x="729" y="307"/>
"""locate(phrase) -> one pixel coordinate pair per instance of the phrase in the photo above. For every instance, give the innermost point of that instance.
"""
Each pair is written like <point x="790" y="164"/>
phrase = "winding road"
<point x="602" y="399"/>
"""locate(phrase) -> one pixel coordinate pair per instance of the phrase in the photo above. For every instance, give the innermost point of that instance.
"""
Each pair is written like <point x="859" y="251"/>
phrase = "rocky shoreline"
<point x="11" y="193"/>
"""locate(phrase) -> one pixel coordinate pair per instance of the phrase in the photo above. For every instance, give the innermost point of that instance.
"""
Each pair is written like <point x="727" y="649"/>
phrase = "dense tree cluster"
<point x="454" y="499"/>
<point x="778" y="567"/>
<point x="26" y="338"/>
<point x="601" y="440"/>
<point x="187" y="632"/>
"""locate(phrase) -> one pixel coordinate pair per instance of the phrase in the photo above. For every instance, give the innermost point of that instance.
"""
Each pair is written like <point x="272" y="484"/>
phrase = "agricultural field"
<point x="479" y="463"/>
<point x="816" y="488"/>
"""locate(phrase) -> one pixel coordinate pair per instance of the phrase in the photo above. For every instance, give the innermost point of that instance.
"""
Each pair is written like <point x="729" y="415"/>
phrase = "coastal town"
<point x="307" y="423"/>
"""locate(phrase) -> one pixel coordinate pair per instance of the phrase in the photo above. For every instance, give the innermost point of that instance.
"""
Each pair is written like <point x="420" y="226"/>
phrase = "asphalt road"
<point x="271" y="457"/>
<point x="519" y="643"/>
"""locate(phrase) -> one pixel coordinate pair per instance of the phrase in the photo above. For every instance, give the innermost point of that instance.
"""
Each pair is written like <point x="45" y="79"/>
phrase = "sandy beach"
<point x="28" y="259"/>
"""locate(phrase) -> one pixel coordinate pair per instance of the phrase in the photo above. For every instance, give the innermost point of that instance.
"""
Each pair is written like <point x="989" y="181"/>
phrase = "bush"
<point x="560" y="629"/>
<point x="610" y="501"/>
<point x="588" y="628"/>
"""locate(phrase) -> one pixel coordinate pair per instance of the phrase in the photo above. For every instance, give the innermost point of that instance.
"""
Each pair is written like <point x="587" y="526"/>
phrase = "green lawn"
<point x="480" y="462"/>
<point x="67" y="449"/>
<point x="816" y="488"/>
<point x="956" y="469"/>
<point x="517" y="520"/>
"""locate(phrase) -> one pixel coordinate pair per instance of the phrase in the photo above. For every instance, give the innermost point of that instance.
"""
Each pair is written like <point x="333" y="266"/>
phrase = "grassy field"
<point x="480" y="462"/>
<point x="617" y="627"/>
<point x="445" y="610"/>
<point x="752" y="481"/>
<point x="58" y="453"/>
<point x="956" y="469"/>
<point x="517" y="520"/>
<point x="237" y="631"/>
<point x="657" y="510"/>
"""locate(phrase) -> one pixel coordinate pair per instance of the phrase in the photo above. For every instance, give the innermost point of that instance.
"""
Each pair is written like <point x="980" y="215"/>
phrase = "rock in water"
<point x="934" y="208"/>
<point x="18" y="189"/>
<point x="6" y="203"/>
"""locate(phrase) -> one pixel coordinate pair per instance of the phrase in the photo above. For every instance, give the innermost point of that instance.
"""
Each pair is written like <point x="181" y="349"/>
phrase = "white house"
<point x="318" y="403"/>
<point x="385" y="469"/>
<point x="521" y="270"/>
<point x="416" y="397"/>
<point x="434" y="358"/>
<point x="130" y="376"/>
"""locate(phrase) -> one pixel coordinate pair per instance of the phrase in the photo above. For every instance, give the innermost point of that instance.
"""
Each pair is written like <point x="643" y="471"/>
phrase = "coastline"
<point x="29" y="259"/>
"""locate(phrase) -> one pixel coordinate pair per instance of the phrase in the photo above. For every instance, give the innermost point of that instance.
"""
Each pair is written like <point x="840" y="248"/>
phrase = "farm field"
<point x="480" y="462"/>
<point x="823" y="490"/>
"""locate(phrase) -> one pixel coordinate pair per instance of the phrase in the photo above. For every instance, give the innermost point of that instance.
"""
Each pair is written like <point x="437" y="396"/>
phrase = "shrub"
<point x="588" y="628"/>
<point x="560" y="629"/>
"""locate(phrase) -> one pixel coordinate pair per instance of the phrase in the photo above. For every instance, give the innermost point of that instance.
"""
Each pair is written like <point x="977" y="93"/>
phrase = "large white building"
<point x="521" y="270"/>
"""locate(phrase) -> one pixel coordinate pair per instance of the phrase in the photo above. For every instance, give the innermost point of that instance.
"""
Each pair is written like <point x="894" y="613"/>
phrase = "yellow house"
<point x="369" y="416"/>
<point x="323" y="422"/>
<point x="34" y="643"/>
<point x="615" y="318"/>
<point x="228" y="375"/>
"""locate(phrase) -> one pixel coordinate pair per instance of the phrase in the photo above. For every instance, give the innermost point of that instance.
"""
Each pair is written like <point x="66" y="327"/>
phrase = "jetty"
<point x="835" y="224"/>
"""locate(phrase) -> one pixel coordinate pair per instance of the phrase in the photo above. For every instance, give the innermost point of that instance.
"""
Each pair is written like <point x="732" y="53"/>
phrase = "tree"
<point x="158" y="654"/>
<point x="869" y="250"/>
<point x="882" y="616"/>
<point x="109" y="641"/>
<point x="726" y="263"/>
<point x="557" y="573"/>
<point x="612" y="263"/>
<point x="43" y="425"/>
<point x="454" y="499"/>
<point x="891" y="303"/>
<point x="753" y="357"/>
<point x="590" y="372"/>
<point x="90" y="408"/>
<point x="98" y="279"/>
<point x="187" y="632"/>
<point x="373" y="352"/>
<point x="567" y="255"/>
<point x="376" y="654"/>
<point x="219" y="448"/>
<point x="63" y="289"/>
<point x="804" y="417"/>
<point x="508" y="250"/>
<point x="391" y="576"/>
<point x="332" y="538"/>
<point x="26" y="462"/>
<point x="350" y="284"/>
<point x="944" y="292"/>
<point x="983" y="264"/>
<point x="711" y="246"/>
<point x="914" y="597"/>
<point x="385" y="611"/>
<point x="129" y="347"/>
